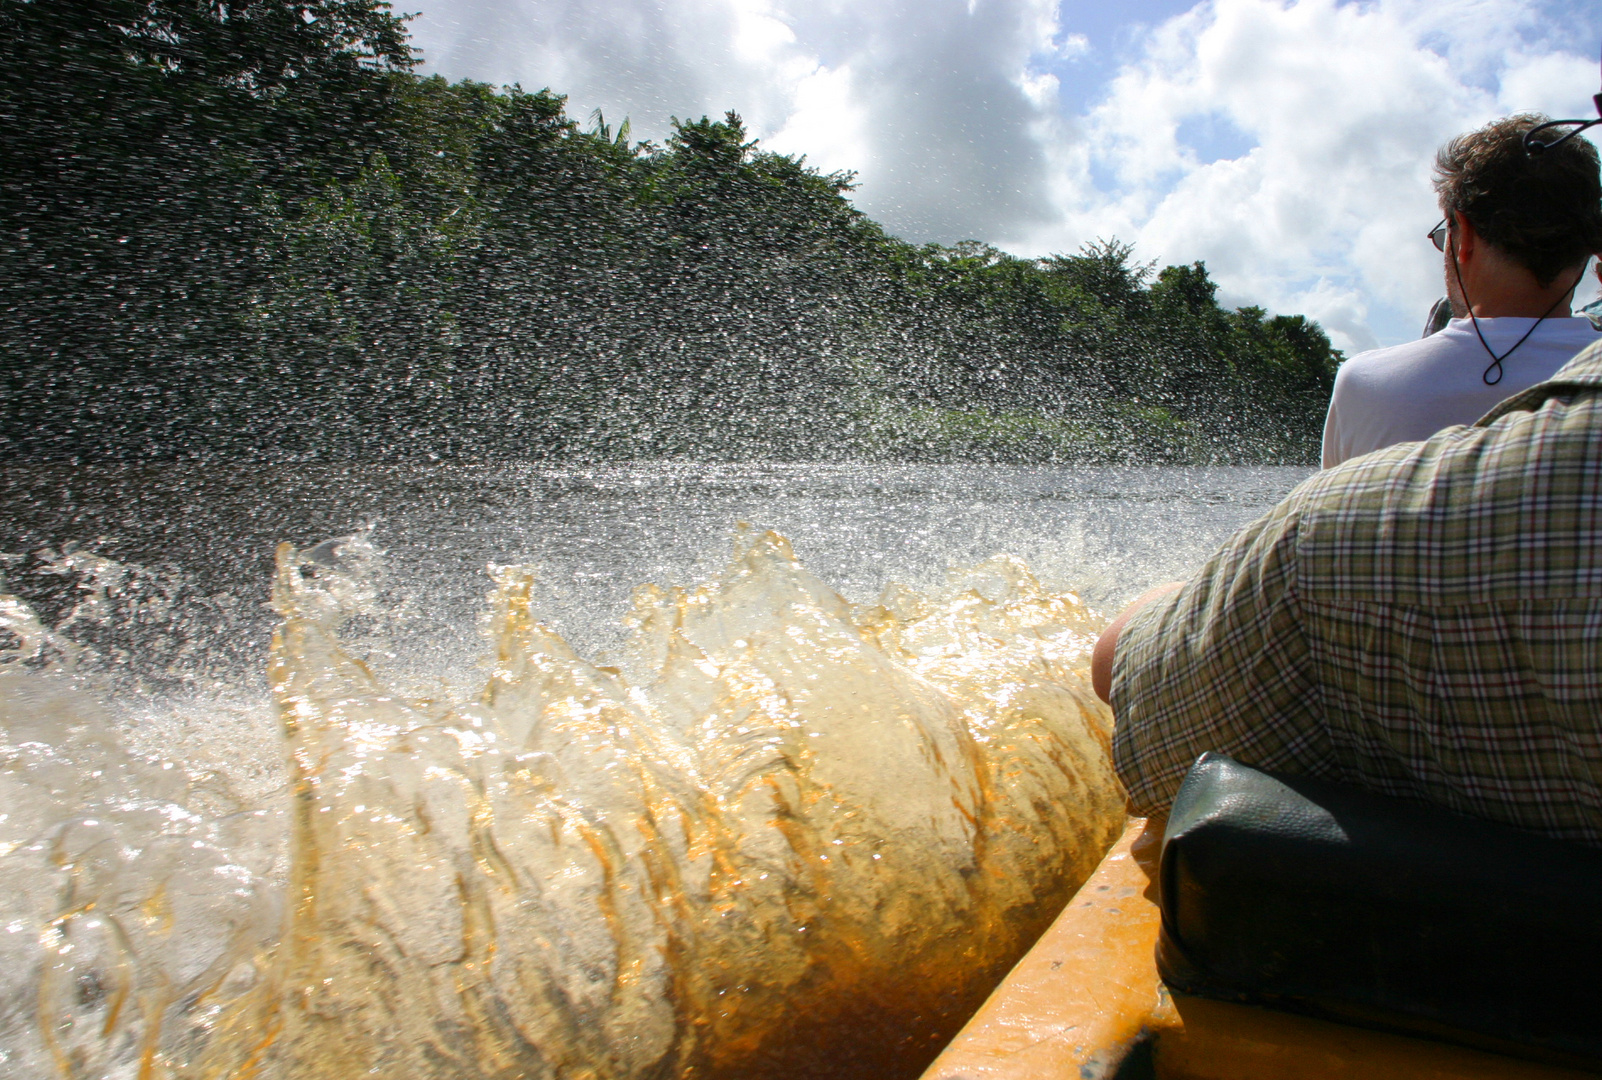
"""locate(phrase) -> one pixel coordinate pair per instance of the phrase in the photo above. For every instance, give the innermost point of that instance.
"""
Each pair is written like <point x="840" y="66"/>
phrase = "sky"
<point x="1285" y="143"/>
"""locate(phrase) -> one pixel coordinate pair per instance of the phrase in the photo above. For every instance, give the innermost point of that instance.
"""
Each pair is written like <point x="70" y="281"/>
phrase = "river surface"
<point x="613" y="771"/>
<point x="595" y="533"/>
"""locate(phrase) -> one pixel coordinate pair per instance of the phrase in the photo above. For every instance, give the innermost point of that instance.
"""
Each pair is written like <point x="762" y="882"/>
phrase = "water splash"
<point x="139" y="897"/>
<point x="784" y="836"/>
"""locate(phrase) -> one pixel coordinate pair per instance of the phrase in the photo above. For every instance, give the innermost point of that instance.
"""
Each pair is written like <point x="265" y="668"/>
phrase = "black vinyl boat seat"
<point x="1318" y="898"/>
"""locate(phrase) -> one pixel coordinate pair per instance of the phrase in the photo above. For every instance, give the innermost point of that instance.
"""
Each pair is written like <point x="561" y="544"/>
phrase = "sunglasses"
<point x="1438" y="235"/>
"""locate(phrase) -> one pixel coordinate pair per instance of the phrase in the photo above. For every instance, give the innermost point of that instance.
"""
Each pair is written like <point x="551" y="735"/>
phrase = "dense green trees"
<point x="248" y="229"/>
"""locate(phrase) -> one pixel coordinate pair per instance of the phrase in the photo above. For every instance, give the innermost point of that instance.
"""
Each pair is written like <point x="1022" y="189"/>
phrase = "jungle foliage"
<point x="250" y="230"/>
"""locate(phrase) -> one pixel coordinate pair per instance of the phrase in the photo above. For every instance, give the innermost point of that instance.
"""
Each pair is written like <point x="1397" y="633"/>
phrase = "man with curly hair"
<point x="1516" y="233"/>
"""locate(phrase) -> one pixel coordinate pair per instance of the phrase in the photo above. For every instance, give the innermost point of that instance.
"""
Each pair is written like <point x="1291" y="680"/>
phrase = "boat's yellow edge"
<point x="1086" y="990"/>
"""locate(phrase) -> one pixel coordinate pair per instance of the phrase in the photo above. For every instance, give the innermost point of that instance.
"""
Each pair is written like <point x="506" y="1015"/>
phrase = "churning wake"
<point x="797" y="838"/>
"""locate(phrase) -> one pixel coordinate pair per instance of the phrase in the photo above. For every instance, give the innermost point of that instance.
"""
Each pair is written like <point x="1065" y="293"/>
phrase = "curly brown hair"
<point x="1544" y="210"/>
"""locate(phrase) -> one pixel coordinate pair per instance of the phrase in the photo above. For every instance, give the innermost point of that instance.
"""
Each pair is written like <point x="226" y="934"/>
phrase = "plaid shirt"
<point x="1424" y="621"/>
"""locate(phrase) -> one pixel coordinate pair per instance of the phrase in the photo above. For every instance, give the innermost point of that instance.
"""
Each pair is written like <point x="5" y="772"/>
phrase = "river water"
<point x="621" y="771"/>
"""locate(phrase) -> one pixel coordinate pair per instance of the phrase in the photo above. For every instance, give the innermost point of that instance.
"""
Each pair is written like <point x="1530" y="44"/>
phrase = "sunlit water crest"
<point x="774" y="833"/>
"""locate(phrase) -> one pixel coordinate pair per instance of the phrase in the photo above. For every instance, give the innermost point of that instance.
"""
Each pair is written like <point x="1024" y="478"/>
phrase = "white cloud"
<point x="1073" y="46"/>
<point x="1558" y="84"/>
<point x="640" y="58"/>
<point x="937" y="104"/>
<point x="828" y="125"/>
<point x="1287" y="143"/>
<point x="950" y="95"/>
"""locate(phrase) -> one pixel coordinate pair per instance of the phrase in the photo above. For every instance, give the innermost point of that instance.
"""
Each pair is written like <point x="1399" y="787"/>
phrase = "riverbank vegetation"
<point x="252" y="231"/>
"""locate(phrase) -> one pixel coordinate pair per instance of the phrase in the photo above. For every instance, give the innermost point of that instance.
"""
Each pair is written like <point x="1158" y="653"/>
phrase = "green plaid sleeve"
<point x="1425" y="621"/>
<point x="1221" y="664"/>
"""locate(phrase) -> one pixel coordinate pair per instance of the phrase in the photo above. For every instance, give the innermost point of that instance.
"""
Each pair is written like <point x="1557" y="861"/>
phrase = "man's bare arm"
<point x="1101" y="658"/>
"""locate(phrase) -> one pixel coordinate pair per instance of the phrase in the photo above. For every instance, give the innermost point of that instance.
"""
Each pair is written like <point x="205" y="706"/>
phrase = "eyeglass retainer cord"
<point x="1496" y="361"/>
<point x="1534" y="148"/>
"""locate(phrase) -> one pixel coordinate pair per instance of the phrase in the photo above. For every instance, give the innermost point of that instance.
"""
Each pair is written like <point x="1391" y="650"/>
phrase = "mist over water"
<point x="518" y="771"/>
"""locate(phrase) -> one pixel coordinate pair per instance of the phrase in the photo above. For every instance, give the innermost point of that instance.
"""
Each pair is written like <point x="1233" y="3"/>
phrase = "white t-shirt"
<point x="1409" y="392"/>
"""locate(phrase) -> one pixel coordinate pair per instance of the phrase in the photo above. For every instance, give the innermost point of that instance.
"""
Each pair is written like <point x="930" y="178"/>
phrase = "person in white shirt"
<point x="1518" y="232"/>
<point x="1593" y="310"/>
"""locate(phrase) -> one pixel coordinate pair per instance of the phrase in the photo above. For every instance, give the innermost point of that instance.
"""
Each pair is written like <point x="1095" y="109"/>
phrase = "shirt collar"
<point x="1584" y="372"/>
